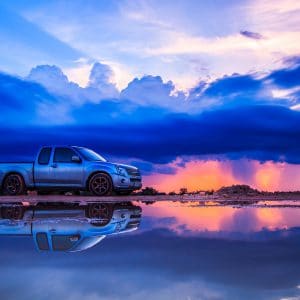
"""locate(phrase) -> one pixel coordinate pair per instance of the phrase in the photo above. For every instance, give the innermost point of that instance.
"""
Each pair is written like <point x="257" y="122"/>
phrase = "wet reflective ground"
<point x="162" y="250"/>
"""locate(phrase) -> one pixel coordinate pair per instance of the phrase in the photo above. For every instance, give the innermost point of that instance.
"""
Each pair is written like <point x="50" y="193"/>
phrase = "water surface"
<point x="179" y="251"/>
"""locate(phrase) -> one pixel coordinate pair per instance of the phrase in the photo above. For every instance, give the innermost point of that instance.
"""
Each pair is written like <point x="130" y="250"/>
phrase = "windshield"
<point x="89" y="154"/>
<point x="42" y="241"/>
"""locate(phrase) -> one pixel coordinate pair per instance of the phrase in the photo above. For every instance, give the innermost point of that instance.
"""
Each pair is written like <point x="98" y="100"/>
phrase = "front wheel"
<point x="100" y="211"/>
<point x="14" y="185"/>
<point x="101" y="185"/>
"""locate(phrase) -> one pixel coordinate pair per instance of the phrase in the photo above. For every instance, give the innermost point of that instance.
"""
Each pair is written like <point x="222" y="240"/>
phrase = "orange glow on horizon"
<point x="196" y="175"/>
<point x="267" y="176"/>
<point x="191" y="217"/>
<point x="270" y="218"/>
<point x="212" y="174"/>
<point x="195" y="218"/>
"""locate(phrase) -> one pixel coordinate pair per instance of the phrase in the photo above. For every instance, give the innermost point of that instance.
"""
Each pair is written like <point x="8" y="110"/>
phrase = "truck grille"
<point x="137" y="216"/>
<point x="133" y="172"/>
<point x="135" y="180"/>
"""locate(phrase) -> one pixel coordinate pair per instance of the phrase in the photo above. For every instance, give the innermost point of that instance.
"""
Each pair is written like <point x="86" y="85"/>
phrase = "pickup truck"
<point x="68" y="227"/>
<point x="65" y="168"/>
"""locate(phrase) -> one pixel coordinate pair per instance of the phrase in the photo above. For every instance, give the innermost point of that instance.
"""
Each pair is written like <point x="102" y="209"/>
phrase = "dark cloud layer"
<point x="260" y="132"/>
<point x="286" y="78"/>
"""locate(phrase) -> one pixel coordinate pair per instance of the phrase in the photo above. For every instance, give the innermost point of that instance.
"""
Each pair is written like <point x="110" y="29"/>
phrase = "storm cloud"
<point x="258" y="132"/>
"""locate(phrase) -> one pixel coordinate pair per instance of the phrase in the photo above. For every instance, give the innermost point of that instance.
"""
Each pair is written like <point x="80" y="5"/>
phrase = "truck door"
<point x="63" y="233"/>
<point x="54" y="233"/>
<point x="66" y="171"/>
<point x="42" y="171"/>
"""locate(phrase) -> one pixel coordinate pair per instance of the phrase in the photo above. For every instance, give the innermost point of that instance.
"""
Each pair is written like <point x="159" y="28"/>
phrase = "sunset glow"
<point x="190" y="217"/>
<point x="212" y="175"/>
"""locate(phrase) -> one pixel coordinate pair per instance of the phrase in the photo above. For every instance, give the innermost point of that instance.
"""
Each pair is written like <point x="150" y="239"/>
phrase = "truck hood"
<point x="126" y="166"/>
<point x="113" y="164"/>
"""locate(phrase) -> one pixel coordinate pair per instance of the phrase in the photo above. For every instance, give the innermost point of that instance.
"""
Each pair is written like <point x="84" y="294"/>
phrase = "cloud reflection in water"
<point x="222" y="253"/>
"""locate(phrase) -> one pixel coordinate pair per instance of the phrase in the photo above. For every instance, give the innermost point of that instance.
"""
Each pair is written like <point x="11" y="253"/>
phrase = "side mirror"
<point x="76" y="159"/>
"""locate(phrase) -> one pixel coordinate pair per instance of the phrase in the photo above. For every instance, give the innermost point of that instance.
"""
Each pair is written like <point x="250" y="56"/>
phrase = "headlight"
<point x="121" y="171"/>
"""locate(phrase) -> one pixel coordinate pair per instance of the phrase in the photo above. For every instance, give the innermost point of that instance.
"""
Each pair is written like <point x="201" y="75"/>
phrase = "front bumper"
<point x="127" y="182"/>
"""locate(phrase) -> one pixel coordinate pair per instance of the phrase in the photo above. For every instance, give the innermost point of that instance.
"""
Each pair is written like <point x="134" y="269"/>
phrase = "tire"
<point x="14" y="185"/>
<point x="101" y="212"/>
<point x="100" y="185"/>
<point x="13" y="212"/>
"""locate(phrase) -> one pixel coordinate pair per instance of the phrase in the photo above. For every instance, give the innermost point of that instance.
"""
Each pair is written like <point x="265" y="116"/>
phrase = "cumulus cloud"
<point x="99" y="87"/>
<point x="49" y="76"/>
<point x="235" y="116"/>
<point x="101" y="77"/>
<point x="151" y="90"/>
<point x="56" y="82"/>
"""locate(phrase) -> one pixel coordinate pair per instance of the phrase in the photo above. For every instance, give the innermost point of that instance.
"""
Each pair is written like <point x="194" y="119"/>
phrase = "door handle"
<point x="54" y="166"/>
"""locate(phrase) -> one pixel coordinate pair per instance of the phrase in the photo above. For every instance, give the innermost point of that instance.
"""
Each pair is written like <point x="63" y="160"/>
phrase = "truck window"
<point x="63" y="155"/>
<point x="42" y="241"/>
<point x="64" y="242"/>
<point x="44" y="156"/>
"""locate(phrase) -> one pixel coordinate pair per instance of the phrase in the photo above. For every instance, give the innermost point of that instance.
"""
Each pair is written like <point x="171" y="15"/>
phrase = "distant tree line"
<point x="237" y="189"/>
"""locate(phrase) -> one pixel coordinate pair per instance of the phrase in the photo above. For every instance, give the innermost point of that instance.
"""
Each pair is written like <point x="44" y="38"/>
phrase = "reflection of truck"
<point x="69" y="168"/>
<point x="68" y="227"/>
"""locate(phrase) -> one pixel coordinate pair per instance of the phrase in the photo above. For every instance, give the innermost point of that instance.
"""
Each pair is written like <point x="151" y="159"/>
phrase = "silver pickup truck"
<point x="66" y="168"/>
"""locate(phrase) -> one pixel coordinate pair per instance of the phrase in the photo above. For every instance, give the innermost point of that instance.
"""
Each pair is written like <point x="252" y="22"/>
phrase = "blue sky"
<point x="182" y="41"/>
<point x="194" y="80"/>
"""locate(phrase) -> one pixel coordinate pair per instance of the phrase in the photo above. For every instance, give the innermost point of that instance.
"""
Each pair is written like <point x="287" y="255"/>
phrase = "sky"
<point x="198" y="94"/>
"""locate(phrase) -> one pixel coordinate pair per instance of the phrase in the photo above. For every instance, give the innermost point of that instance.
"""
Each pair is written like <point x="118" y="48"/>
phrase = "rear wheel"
<point x="101" y="184"/>
<point x="12" y="212"/>
<point x="14" y="185"/>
